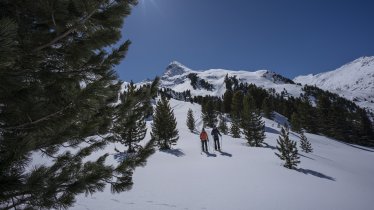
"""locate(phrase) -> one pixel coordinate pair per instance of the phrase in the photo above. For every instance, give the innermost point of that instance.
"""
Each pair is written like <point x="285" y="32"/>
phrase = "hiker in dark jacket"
<point x="215" y="132"/>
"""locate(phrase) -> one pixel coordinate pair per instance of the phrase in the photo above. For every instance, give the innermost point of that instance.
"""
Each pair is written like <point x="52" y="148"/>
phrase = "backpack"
<point x="203" y="136"/>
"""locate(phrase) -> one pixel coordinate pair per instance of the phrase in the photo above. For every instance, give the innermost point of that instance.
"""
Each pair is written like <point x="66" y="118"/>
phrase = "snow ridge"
<point x="176" y="78"/>
<point x="353" y="81"/>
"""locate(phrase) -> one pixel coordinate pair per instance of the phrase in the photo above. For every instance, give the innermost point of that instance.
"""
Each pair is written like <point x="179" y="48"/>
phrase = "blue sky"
<point x="290" y="37"/>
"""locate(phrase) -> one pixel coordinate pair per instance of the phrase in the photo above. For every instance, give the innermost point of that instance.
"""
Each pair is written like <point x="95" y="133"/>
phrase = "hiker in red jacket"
<point x="204" y="140"/>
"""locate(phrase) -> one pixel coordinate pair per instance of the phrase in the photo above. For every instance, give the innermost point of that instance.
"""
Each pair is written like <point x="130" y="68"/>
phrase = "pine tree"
<point x="190" y="120"/>
<point x="164" y="127"/>
<point x="130" y="124"/>
<point x="252" y="124"/>
<point x="209" y="115"/>
<point x="237" y="105"/>
<point x="305" y="145"/>
<point x="222" y="126"/>
<point x="308" y="118"/>
<point x="227" y="100"/>
<point x="57" y="90"/>
<point x="235" y="128"/>
<point x="267" y="108"/>
<point x="287" y="150"/>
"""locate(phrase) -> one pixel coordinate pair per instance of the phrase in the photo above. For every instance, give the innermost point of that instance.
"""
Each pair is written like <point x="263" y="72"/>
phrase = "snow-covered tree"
<point x="287" y="150"/>
<point x="164" y="127"/>
<point x="190" y="120"/>
<point x="305" y="144"/>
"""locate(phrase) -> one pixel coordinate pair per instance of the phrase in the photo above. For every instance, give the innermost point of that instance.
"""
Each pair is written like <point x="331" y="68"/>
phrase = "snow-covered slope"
<point x="354" y="81"/>
<point x="176" y="78"/>
<point x="335" y="176"/>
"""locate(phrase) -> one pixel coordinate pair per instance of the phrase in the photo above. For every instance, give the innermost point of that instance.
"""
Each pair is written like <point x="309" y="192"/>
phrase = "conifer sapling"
<point x="287" y="150"/>
<point x="305" y="144"/>
<point x="190" y="120"/>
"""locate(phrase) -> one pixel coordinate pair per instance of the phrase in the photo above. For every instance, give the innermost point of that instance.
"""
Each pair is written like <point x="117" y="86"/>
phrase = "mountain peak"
<point x="363" y="61"/>
<point x="175" y="68"/>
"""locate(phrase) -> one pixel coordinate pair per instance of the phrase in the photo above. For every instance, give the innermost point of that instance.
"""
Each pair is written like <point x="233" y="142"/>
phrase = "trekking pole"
<point x="221" y="144"/>
<point x="201" y="147"/>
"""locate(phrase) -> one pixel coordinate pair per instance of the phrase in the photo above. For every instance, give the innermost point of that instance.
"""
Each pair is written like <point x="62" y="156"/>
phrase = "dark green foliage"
<point x="197" y="82"/>
<point x="365" y="128"/>
<point x="305" y="145"/>
<point x="130" y="127"/>
<point x="169" y="93"/>
<point x="190" y="120"/>
<point x="252" y="124"/>
<point x="194" y="78"/>
<point x="232" y="83"/>
<point x="227" y="101"/>
<point x="237" y="104"/>
<point x="222" y="126"/>
<point x="267" y="108"/>
<point x="206" y="85"/>
<point x="209" y="114"/>
<point x="235" y="128"/>
<point x="339" y="118"/>
<point x="57" y="90"/>
<point x="287" y="150"/>
<point x="164" y="127"/>
<point x="307" y="116"/>
<point x="295" y="122"/>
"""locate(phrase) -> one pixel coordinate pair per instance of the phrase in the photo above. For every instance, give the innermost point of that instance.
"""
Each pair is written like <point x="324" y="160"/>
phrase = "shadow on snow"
<point x="210" y="154"/>
<point x="315" y="173"/>
<point x="306" y="156"/>
<point x="225" y="154"/>
<point x="271" y="130"/>
<point x="175" y="152"/>
<point x="266" y="145"/>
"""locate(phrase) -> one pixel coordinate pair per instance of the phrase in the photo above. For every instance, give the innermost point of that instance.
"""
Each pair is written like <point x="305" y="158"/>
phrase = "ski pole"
<point x="221" y="144"/>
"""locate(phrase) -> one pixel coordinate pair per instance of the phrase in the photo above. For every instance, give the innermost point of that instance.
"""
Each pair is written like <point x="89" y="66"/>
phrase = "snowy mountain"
<point x="353" y="81"/>
<point x="335" y="176"/>
<point x="177" y="77"/>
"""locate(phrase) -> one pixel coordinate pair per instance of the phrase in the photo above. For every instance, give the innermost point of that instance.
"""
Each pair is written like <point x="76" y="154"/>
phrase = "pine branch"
<point x="69" y="31"/>
<point x="23" y="126"/>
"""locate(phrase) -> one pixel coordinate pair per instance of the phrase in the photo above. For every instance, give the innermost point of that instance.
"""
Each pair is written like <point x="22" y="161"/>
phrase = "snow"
<point x="335" y="176"/>
<point x="354" y="81"/>
<point x="176" y="78"/>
